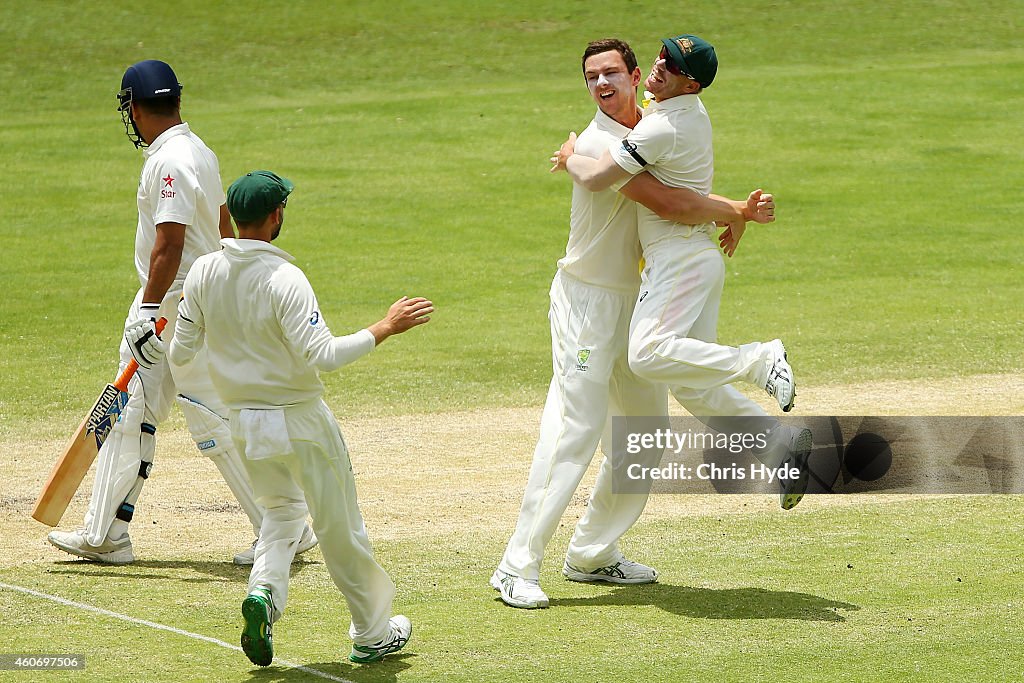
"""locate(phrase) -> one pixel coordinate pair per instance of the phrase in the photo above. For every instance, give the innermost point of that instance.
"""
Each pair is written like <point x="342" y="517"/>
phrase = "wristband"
<point x="150" y="311"/>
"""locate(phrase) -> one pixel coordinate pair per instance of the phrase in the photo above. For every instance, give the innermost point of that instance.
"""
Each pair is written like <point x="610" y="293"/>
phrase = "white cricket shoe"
<point x="518" y="592"/>
<point x="398" y="635"/>
<point x="109" y="552"/>
<point x="779" y="382"/>
<point x="623" y="571"/>
<point x="307" y="541"/>
<point x="793" y="490"/>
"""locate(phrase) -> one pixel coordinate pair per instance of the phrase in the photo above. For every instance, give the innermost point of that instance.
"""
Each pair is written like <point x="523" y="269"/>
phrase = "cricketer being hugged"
<point x="673" y="331"/>
<point x="181" y="216"/>
<point x="592" y="301"/>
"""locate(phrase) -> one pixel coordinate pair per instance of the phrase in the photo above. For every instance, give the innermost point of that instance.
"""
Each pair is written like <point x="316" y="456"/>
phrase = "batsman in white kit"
<point x="673" y="333"/>
<point x="181" y="217"/>
<point x="592" y="300"/>
<point x="258" y="319"/>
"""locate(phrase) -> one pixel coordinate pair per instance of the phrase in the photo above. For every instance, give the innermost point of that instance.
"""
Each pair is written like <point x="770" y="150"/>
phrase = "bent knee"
<point x="642" y="358"/>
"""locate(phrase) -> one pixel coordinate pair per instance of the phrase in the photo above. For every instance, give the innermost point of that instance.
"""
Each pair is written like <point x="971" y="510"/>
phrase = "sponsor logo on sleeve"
<point x="168" y="191"/>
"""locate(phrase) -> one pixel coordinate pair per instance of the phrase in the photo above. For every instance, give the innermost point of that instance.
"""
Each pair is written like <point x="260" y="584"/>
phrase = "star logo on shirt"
<point x="168" y="180"/>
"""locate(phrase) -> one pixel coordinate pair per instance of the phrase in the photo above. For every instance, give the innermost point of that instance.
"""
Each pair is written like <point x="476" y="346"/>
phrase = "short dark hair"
<point x="161" y="106"/>
<point x="607" y="45"/>
<point x="250" y="225"/>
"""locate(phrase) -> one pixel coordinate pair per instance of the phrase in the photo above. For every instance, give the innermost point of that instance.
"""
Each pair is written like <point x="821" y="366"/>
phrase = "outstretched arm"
<point x="403" y="315"/>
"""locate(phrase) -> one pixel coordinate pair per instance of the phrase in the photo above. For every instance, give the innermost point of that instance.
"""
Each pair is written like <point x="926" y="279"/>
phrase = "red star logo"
<point x="168" y="180"/>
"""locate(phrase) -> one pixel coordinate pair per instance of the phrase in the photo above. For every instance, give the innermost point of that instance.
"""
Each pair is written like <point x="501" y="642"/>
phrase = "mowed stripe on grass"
<point x="160" y="627"/>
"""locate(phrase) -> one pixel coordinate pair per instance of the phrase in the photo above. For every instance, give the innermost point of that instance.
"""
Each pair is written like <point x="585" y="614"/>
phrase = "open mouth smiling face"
<point x="610" y="83"/>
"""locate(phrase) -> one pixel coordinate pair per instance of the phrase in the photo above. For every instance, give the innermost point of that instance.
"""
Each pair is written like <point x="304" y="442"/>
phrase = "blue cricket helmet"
<point x="146" y="80"/>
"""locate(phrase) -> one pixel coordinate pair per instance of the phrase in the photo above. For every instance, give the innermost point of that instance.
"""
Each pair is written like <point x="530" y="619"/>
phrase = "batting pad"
<point x="117" y="466"/>
<point x="213" y="439"/>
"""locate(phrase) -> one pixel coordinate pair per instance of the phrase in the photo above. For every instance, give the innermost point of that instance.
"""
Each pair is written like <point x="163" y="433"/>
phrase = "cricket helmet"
<point x="146" y="80"/>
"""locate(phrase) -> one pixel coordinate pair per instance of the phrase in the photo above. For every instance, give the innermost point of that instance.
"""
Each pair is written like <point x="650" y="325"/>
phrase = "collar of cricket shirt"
<point x="180" y="129"/>
<point x="676" y="103"/>
<point x="611" y="125"/>
<point x="244" y="247"/>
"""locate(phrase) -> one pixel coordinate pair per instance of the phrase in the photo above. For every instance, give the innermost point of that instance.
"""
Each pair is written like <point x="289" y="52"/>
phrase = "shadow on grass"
<point x="384" y="671"/>
<point x="176" y="570"/>
<point x="718" y="603"/>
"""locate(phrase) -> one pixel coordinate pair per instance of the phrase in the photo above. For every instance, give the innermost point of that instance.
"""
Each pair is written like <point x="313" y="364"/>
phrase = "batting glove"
<point x="146" y="347"/>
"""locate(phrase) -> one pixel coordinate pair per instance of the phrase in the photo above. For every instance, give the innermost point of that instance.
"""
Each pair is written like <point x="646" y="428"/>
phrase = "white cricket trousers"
<point x="590" y="380"/>
<point x="318" y="474"/>
<point x="161" y="384"/>
<point x="675" y="326"/>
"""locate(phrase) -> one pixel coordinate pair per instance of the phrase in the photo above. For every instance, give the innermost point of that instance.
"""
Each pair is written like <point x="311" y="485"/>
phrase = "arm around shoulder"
<point x="595" y="174"/>
<point x="680" y="204"/>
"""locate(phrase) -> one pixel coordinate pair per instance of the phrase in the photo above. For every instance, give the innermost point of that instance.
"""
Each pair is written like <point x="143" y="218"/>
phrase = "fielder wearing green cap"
<point x="181" y="217"/>
<point x="253" y="196"/>
<point x="691" y="56"/>
<point x="673" y="331"/>
<point x="256" y="315"/>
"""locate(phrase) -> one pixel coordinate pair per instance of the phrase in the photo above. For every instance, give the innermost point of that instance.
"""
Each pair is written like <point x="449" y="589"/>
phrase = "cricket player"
<point x="673" y="332"/>
<point x="181" y="217"/>
<point x="267" y="341"/>
<point x="592" y="300"/>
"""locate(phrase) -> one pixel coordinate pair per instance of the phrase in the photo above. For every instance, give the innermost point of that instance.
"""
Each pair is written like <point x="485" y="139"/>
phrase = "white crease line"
<point x="163" y="627"/>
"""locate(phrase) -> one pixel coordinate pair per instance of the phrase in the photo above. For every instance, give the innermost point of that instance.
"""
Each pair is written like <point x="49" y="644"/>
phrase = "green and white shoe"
<point x="518" y="592"/>
<point x="623" y="571"/>
<point x="257" y="638"/>
<point x="398" y="636"/>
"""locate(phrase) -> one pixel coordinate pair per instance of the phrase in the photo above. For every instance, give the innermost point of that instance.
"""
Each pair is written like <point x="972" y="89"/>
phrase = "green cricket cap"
<point x="693" y="55"/>
<point x="252" y="197"/>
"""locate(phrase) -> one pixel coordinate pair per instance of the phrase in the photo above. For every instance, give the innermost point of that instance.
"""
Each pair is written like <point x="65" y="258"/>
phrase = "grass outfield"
<point x="418" y="136"/>
<point x="912" y="591"/>
<point x="867" y="588"/>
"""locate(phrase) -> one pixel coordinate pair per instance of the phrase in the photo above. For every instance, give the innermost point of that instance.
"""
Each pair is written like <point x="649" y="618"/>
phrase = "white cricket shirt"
<point x="673" y="143"/>
<point x="180" y="183"/>
<point x="266" y="339"/>
<point x="603" y="248"/>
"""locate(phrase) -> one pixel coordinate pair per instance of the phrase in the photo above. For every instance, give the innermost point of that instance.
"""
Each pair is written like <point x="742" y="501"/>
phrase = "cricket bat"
<point x="68" y="473"/>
